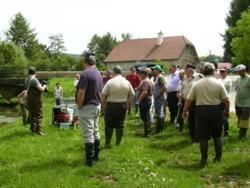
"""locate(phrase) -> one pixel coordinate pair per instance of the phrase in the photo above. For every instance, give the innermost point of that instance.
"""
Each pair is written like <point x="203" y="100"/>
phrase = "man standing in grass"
<point x="242" y="100"/>
<point x="228" y="84"/>
<point x="117" y="95"/>
<point x="145" y="91"/>
<point x="34" y="101"/>
<point x="159" y="93"/>
<point x="172" y="87"/>
<point x="89" y="106"/>
<point x="208" y="93"/>
<point x="135" y="81"/>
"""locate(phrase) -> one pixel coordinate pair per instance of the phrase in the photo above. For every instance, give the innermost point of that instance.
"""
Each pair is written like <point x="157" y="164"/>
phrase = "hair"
<point x="117" y="69"/>
<point x="32" y="70"/>
<point x="89" y="58"/>
<point x="207" y="72"/>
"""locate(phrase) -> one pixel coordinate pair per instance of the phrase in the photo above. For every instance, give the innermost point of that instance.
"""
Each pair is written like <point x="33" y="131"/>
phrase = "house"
<point x="224" y="65"/>
<point x="171" y="50"/>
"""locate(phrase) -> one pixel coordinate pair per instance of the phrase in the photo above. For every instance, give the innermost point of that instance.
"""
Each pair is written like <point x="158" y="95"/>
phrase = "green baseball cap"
<point x="157" y="67"/>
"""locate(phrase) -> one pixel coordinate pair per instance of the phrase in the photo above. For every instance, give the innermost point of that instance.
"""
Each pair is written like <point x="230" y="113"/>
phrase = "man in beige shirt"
<point x="188" y="81"/>
<point x="117" y="95"/>
<point x="208" y="94"/>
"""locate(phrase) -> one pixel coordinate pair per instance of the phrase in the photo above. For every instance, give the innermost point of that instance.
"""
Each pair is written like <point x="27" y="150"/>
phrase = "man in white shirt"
<point x="227" y="82"/>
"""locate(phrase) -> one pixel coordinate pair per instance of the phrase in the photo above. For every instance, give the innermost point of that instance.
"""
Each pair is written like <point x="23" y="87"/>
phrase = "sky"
<point x="201" y="21"/>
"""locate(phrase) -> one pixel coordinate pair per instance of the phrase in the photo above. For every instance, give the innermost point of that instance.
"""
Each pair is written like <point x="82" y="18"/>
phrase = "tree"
<point x="23" y="36"/>
<point x="56" y="46"/>
<point x="236" y="8"/>
<point x="126" y="36"/>
<point x="241" y="40"/>
<point x="11" y="55"/>
<point x="102" y="46"/>
<point x="211" y="58"/>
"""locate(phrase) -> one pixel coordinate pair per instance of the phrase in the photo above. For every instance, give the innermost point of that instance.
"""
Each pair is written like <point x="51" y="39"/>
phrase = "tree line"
<point x="20" y="47"/>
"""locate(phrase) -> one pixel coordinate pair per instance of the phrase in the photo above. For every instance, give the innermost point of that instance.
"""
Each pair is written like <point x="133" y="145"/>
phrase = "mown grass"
<point x="165" y="160"/>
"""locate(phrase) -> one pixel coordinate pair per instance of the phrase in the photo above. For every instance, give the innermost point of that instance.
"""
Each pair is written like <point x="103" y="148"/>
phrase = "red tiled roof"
<point x="147" y="49"/>
<point x="226" y="65"/>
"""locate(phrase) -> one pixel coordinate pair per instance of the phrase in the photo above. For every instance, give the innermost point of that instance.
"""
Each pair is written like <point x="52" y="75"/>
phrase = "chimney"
<point x="160" y="39"/>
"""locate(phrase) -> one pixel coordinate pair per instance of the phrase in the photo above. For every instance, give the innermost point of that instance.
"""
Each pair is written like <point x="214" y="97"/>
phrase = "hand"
<point x="226" y="114"/>
<point x="184" y="114"/>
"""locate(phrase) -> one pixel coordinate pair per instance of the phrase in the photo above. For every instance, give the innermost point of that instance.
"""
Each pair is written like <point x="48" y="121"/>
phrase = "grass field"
<point x="164" y="160"/>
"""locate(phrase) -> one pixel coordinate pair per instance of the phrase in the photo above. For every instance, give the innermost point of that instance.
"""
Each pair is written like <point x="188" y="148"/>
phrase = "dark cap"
<point x="117" y="69"/>
<point x="32" y="70"/>
<point x="190" y="66"/>
<point x="144" y="72"/>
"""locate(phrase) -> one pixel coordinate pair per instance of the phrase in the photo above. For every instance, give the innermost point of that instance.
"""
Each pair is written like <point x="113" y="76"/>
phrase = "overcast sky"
<point x="201" y="21"/>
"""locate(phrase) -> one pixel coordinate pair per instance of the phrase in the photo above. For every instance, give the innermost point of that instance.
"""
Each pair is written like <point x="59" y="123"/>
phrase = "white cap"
<point x="240" y="68"/>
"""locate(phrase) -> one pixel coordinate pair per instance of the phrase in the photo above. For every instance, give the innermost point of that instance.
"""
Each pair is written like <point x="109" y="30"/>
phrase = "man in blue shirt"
<point x="89" y="106"/>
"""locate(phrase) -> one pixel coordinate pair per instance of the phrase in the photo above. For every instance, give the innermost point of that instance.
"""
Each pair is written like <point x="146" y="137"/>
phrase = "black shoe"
<point x="225" y="134"/>
<point x="96" y="149"/>
<point x="216" y="159"/>
<point x="203" y="163"/>
<point x="89" y="152"/>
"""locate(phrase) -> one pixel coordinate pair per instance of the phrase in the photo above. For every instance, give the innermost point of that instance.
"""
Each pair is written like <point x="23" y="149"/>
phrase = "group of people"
<point x="201" y="98"/>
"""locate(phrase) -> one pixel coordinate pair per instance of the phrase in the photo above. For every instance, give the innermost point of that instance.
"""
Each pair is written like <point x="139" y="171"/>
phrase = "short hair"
<point x="32" y="70"/>
<point x="89" y="57"/>
<point x="117" y="69"/>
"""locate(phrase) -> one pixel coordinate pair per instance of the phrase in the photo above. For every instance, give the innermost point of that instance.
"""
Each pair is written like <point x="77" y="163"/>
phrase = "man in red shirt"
<point x="135" y="81"/>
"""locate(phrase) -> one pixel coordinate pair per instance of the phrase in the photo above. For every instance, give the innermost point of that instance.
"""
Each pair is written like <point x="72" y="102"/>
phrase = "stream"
<point x="8" y="114"/>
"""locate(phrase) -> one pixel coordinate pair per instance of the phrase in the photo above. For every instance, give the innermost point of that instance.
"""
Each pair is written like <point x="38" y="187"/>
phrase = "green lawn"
<point x="164" y="160"/>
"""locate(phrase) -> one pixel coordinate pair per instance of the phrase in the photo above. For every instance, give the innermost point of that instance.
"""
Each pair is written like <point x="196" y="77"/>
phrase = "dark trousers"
<point x="192" y="123"/>
<point x="36" y="116"/>
<point x="144" y="107"/>
<point x="58" y="101"/>
<point x="172" y="105"/>
<point x="114" y="118"/>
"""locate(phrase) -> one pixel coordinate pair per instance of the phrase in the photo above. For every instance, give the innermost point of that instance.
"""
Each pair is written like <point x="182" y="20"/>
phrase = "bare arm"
<point x="80" y="98"/>
<point x="104" y="102"/>
<point x="142" y="96"/>
<point x="227" y="105"/>
<point x="187" y="105"/>
<point x="41" y="88"/>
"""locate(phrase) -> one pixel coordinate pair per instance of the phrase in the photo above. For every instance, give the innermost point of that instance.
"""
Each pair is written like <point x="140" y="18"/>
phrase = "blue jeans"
<point x="159" y="107"/>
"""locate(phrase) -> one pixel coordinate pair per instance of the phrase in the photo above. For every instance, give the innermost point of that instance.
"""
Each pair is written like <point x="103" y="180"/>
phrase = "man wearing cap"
<point x="89" y="106"/>
<point x="145" y="91"/>
<point x="242" y="100"/>
<point x="159" y="93"/>
<point x="172" y="88"/>
<point x="188" y="82"/>
<point x="117" y="95"/>
<point x="34" y="101"/>
<point x="227" y="82"/>
<point x="208" y="93"/>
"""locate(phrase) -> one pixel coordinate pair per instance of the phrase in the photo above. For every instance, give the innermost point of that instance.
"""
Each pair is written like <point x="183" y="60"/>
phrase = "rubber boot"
<point x="158" y="125"/>
<point x="146" y="129"/>
<point x="203" y="150"/>
<point x="162" y="124"/>
<point x="218" y="149"/>
<point x="96" y="149"/>
<point x="119" y="135"/>
<point x="89" y="153"/>
<point x="242" y="133"/>
<point x="108" y="136"/>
